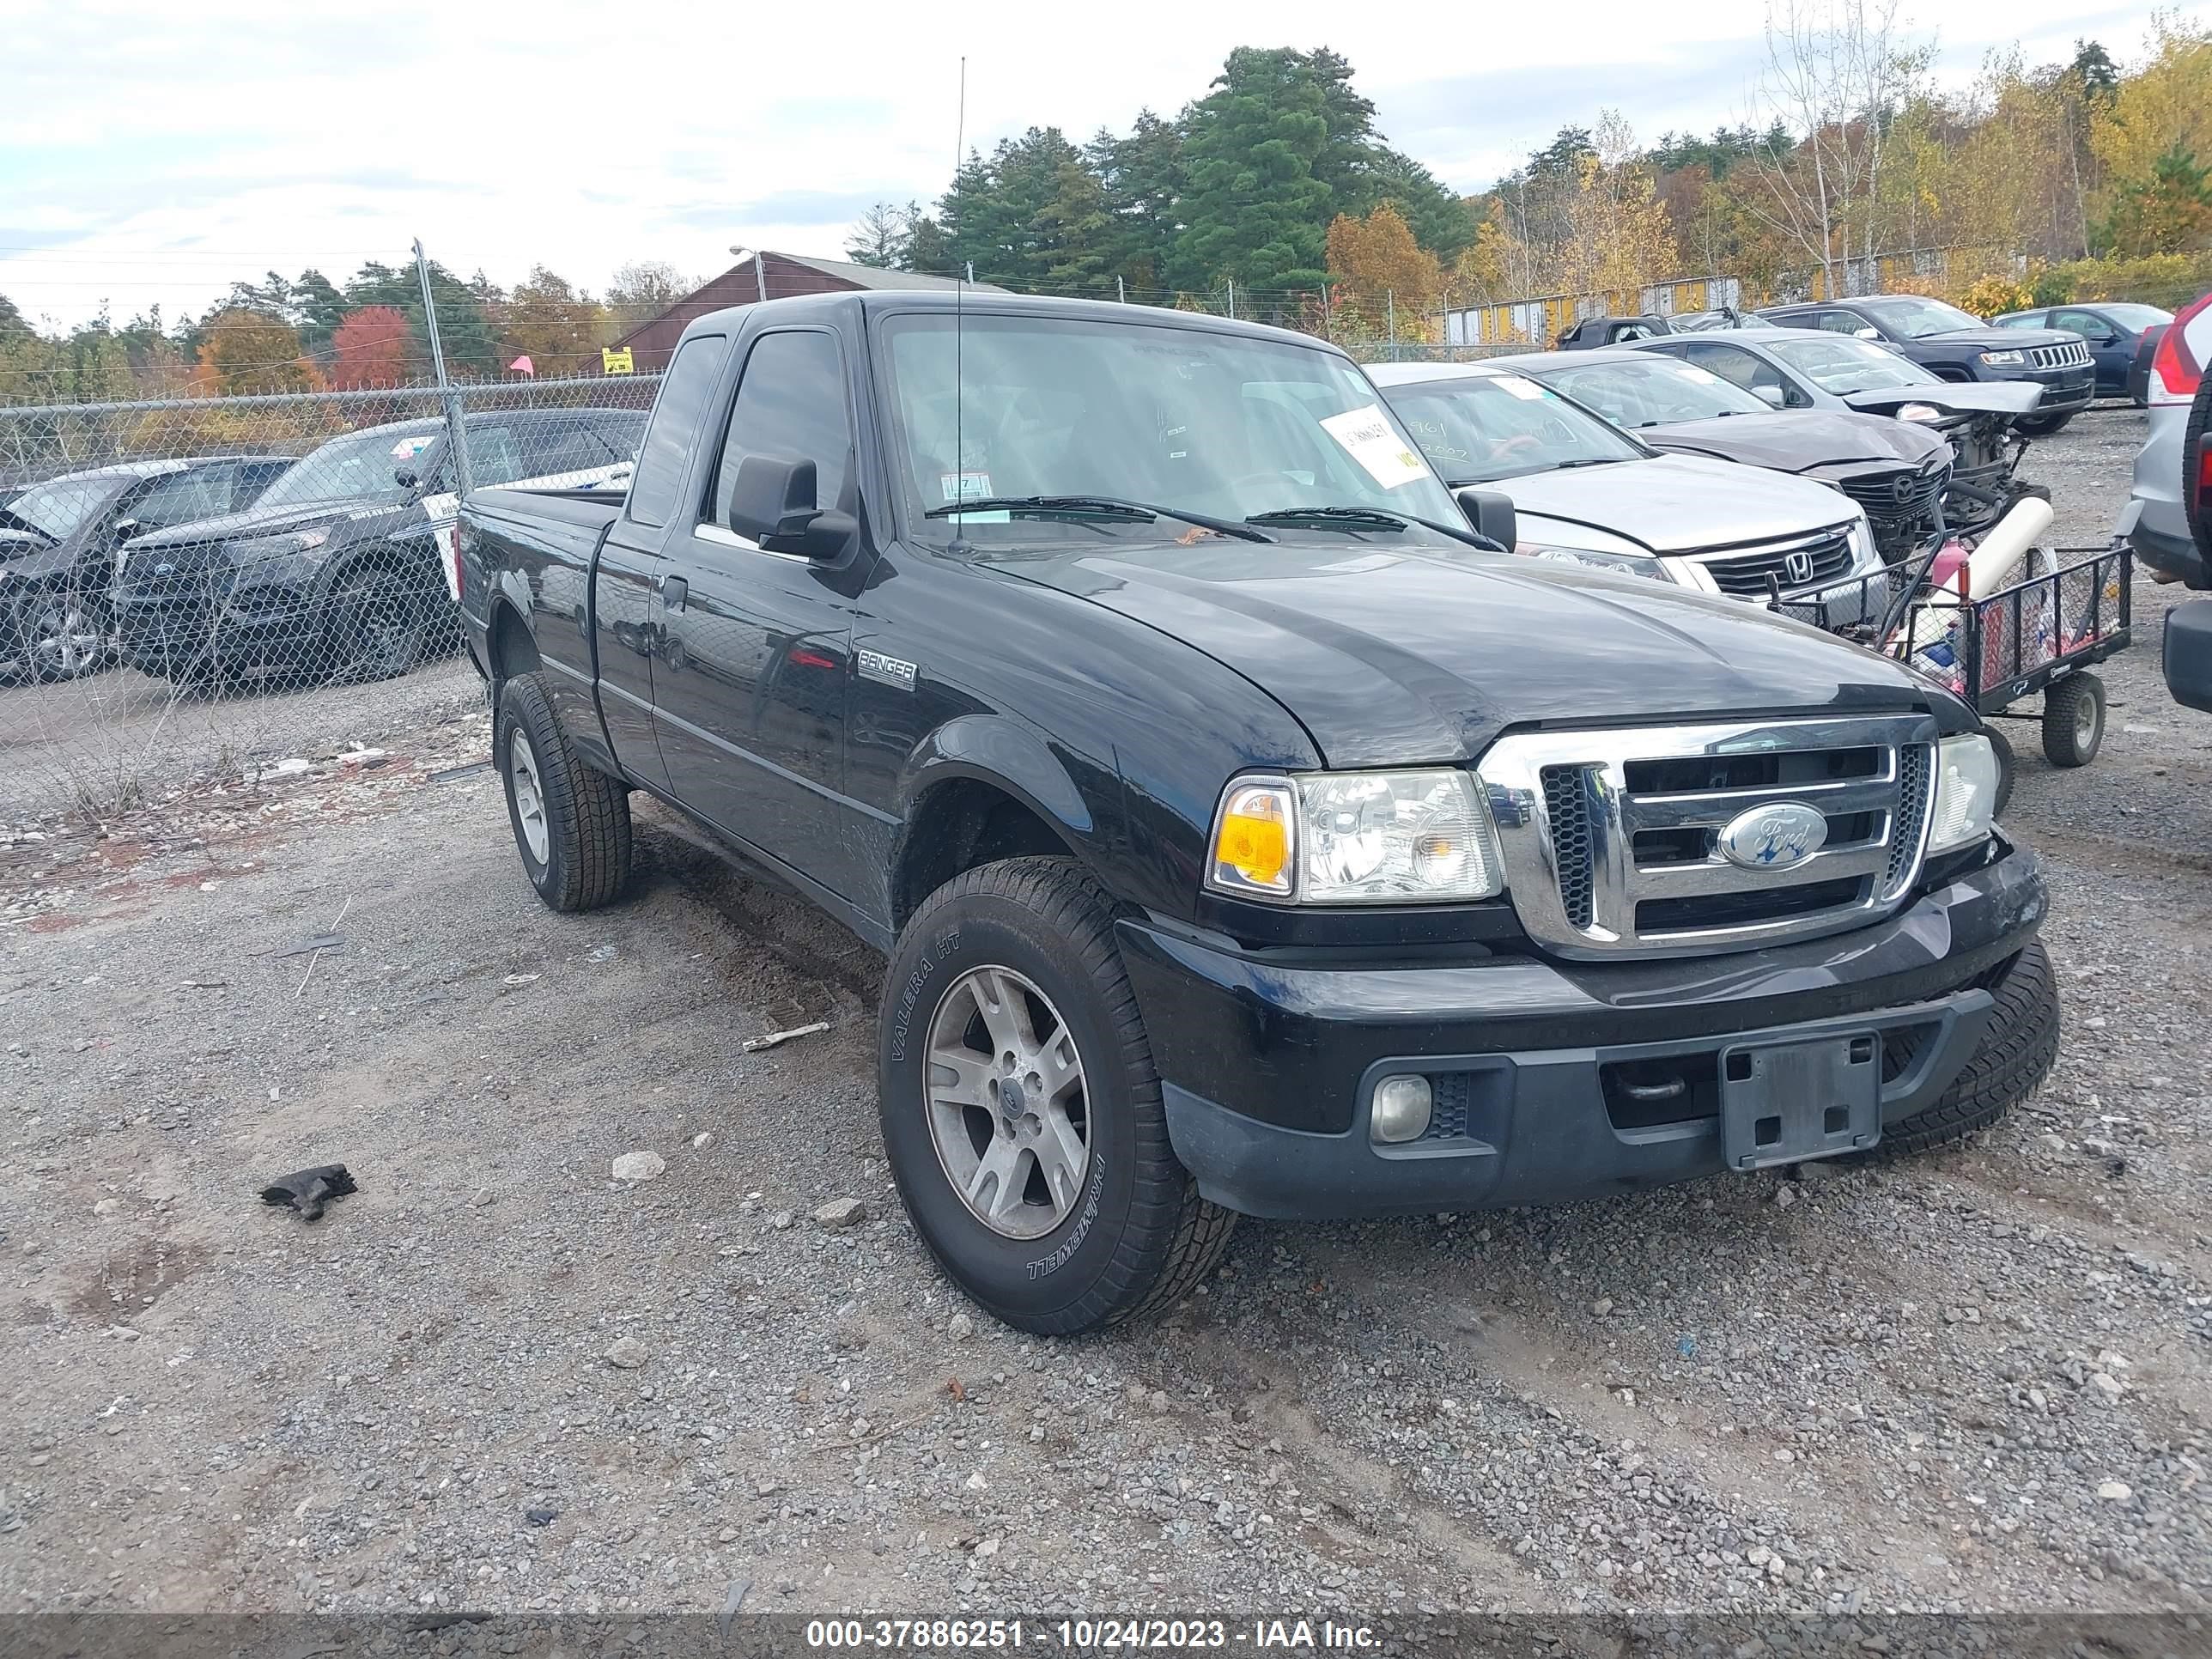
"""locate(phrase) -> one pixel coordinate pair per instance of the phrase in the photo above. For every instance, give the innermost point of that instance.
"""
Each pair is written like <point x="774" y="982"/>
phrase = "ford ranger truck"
<point x="1246" y="833"/>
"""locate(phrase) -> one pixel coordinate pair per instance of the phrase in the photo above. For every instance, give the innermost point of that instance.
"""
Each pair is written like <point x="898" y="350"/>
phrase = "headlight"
<point x="1635" y="564"/>
<point x="1865" y="556"/>
<point x="2004" y="358"/>
<point x="1356" y="838"/>
<point x="280" y="546"/>
<point x="1966" y="793"/>
<point x="1919" y="412"/>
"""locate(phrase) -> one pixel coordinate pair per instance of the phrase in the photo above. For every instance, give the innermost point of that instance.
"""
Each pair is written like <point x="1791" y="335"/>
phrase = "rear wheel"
<point x="571" y="824"/>
<point x="2074" y="720"/>
<point x="1021" y="1110"/>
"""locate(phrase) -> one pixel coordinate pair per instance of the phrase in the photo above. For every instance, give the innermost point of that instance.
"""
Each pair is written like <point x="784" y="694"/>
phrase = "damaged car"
<point x="1801" y="369"/>
<point x="1897" y="470"/>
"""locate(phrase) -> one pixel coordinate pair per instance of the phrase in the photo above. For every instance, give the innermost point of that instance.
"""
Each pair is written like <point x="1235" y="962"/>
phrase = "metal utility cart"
<point x="2042" y="634"/>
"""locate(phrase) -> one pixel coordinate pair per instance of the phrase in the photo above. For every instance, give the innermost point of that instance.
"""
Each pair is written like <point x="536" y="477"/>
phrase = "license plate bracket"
<point x="1786" y="1101"/>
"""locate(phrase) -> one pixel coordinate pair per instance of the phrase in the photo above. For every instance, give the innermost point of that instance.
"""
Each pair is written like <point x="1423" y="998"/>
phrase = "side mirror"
<point x="772" y="503"/>
<point x="1771" y="395"/>
<point x="405" y="477"/>
<point x="1867" y="334"/>
<point x="125" y="528"/>
<point x="1491" y="513"/>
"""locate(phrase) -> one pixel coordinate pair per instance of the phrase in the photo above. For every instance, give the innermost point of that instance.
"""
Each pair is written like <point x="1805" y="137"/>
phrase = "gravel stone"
<point x="639" y="1166"/>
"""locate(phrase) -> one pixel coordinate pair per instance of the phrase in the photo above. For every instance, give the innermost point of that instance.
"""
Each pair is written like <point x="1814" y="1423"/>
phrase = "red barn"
<point x="653" y="343"/>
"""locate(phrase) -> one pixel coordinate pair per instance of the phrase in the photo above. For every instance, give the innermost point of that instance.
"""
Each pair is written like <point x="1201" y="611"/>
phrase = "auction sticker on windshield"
<point x="1368" y="437"/>
<point x="1526" y="391"/>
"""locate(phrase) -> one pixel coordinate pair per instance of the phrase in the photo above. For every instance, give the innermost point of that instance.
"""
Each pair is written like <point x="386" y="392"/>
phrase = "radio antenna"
<point x="959" y="317"/>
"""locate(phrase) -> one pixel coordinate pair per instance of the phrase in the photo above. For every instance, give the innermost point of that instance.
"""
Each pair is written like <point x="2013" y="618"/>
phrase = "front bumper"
<point x="163" y="628"/>
<point x="1268" y="1060"/>
<point x="2065" y="391"/>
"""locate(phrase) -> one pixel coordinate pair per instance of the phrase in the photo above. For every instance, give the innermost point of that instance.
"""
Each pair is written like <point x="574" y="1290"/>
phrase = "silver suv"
<point x="2155" y="521"/>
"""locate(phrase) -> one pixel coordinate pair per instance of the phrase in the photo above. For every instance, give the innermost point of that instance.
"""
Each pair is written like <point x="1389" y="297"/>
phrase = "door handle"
<point x="674" y="591"/>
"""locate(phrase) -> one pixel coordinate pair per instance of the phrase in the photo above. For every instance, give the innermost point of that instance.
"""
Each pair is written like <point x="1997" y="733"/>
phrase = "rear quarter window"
<point x="674" y="428"/>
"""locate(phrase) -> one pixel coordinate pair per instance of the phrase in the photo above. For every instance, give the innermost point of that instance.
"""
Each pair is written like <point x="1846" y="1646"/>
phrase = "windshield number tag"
<point x="1367" y="436"/>
<point x="1528" y="390"/>
<point x="970" y="487"/>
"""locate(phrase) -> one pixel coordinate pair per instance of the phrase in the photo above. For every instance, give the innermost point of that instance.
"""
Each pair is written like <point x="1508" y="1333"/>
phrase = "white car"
<point x="1585" y="491"/>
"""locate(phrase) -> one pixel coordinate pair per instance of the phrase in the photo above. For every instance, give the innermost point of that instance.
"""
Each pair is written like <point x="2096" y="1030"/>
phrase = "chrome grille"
<point x="2073" y="354"/>
<point x="1566" y="804"/>
<point x="1610" y="837"/>
<point x="1794" y="562"/>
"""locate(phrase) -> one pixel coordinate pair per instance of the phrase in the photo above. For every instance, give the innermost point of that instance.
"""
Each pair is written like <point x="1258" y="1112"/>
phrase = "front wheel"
<point x="2042" y="426"/>
<point x="379" y="622"/>
<point x="64" y="636"/>
<point x="2017" y="1051"/>
<point x="1021" y="1110"/>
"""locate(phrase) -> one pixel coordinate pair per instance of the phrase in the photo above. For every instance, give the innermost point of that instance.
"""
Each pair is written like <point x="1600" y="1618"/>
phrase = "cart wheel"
<point x="2074" y="720"/>
<point x="2002" y="745"/>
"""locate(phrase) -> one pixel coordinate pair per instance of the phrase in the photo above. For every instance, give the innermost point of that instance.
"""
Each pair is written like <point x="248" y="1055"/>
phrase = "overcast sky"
<point x="152" y="152"/>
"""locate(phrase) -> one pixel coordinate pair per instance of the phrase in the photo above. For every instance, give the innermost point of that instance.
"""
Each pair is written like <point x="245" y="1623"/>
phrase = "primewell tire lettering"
<point x="1045" y="1267"/>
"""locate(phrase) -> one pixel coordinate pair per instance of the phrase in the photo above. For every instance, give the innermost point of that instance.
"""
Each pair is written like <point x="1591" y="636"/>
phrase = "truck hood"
<point x="1997" y="339"/>
<point x="1676" y="503"/>
<point x="1960" y="397"/>
<point x="1424" y="655"/>
<point x="1800" y="440"/>
<point x="257" y="521"/>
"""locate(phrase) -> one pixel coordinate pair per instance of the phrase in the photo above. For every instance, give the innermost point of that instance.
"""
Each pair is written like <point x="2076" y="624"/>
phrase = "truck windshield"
<point x="1655" y="393"/>
<point x="361" y="467"/>
<point x="1836" y="363"/>
<point x="1226" y="426"/>
<point x="1477" y="429"/>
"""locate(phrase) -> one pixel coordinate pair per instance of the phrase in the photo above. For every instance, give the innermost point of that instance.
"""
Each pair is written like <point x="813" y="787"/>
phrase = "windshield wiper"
<point x="1099" y="506"/>
<point x="1590" y="460"/>
<point x="1348" y="518"/>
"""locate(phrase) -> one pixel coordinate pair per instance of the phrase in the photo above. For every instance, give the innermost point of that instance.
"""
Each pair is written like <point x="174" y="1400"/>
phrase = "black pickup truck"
<point x="1246" y="833"/>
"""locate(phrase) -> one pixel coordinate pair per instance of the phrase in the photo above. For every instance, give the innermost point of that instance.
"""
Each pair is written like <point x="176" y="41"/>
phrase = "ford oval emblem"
<point x="1776" y="836"/>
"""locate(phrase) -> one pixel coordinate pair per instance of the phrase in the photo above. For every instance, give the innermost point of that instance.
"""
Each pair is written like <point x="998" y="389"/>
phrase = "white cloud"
<point x="160" y="151"/>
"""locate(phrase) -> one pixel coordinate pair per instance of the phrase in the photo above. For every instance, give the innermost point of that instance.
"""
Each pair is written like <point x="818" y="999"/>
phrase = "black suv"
<point x="1960" y="346"/>
<point x="344" y="569"/>
<point x="58" y="543"/>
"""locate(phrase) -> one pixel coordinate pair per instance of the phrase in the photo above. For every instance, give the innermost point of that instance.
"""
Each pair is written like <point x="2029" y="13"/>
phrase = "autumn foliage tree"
<point x="247" y="351"/>
<point x="373" y="347"/>
<point x="1382" y="276"/>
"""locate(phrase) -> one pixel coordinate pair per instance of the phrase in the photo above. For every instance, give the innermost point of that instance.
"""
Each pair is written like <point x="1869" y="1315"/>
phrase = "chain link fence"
<point x="197" y="590"/>
<point x="200" y="589"/>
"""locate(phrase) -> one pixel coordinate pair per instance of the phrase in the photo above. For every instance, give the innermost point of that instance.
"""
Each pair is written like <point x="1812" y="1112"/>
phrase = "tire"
<point x="63" y="636"/>
<point x="2007" y="763"/>
<point x="571" y="822"/>
<point x="2074" y="720"/>
<point x="1127" y="1232"/>
<point x="377" y="625"/>
<point x="2015" y="1055"/>
<point x="2043" y="426"/>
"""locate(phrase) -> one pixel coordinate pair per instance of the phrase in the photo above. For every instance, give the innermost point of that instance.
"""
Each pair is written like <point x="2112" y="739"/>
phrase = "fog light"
<point x="1401" y="1108"/>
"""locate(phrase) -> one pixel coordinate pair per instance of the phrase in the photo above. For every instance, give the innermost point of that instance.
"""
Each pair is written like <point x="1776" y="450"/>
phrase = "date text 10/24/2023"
<point x="1105" y="1635"/>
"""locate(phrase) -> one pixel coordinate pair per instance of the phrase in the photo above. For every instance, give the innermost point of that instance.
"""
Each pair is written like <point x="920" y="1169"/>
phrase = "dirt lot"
<point x="1979" y="1380"/>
